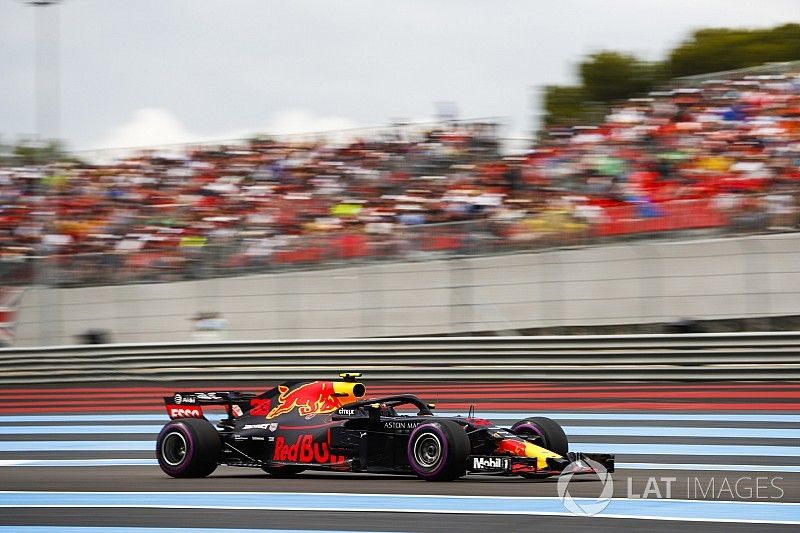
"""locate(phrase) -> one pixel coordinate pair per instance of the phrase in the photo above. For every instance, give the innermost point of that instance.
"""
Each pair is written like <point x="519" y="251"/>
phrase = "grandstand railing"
<point x="729" y="356"/>
<point x="769" y="69"/>
<point x="399" y="130"/>
<point x="548" y="229"/>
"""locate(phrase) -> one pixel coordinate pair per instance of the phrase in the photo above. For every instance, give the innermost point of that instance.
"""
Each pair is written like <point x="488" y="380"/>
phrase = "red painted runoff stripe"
<point x="535" y="395"/>
<point x="120" y="393"/>
<point x="590" y="385"/>
<point x="567" y="385"/>
<point x="626" y="394"/>
<point x="625" y="406"/>
<point x="130" y="396"/>
<point x="416" y="386"/>
<point x="396" y="388"/>
<point x="519" y="406"/>
<point x="163" y="391"/>
<point x="463" y="389"/>
<point x="580" y="386"/>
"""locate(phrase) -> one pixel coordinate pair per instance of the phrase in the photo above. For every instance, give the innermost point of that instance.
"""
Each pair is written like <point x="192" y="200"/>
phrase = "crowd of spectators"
<point x="719" y="157"/>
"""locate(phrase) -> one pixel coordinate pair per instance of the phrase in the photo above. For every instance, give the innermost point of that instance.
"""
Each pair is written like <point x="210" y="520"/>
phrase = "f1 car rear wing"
<point x="189" y="404"/>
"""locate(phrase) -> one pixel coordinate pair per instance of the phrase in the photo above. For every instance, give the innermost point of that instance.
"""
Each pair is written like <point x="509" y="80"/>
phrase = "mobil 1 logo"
<point x="490" y="464"/>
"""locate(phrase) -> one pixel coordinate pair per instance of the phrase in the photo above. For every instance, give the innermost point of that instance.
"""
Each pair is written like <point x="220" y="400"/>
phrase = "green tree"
<point x="606" y="77"/>
<point x="30" y="152"/>
<point x="609" y="76"/>
<point x="719" y="49"/>
<point x="563" y="106"/>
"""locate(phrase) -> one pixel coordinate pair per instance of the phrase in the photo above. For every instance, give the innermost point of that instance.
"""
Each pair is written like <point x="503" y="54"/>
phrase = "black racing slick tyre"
<point x="283" y="472"/>
<point x="437" y="451"/>
<point x="188" y="447"/>
<point x="543" y="432"/>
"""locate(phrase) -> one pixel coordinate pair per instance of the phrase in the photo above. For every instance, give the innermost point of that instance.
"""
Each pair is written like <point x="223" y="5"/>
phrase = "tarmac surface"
<point x="686" y="484"/>
<point x="731" y="470"/>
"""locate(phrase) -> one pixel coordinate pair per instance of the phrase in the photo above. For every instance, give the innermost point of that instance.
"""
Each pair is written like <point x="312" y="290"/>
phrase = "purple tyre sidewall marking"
<point x="436" y="430"/>
<point x="532" y="428"/>
<point x="174" y="427"/>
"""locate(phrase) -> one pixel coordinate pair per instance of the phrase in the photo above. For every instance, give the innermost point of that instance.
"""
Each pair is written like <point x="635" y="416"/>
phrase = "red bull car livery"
<point x="329" y="425"/>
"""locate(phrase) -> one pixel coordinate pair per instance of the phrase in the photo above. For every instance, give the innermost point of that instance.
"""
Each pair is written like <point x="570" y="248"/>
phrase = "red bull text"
<point x="304" y="450"/>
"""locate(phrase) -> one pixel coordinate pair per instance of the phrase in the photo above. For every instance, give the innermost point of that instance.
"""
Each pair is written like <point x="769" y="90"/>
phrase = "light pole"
<point x="47" y="85"/>
<point x="47" y="114"/>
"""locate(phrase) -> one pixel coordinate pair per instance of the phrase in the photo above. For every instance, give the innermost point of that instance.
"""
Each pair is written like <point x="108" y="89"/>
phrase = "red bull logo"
<point x="522" y="448"/>
<point x="317" y="397"/>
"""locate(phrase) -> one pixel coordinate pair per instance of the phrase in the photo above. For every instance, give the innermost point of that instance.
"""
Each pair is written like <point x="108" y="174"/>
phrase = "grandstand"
<point x="718" y="157"/>
<point x="721" y="157"/>
<point x="712" y="156"/>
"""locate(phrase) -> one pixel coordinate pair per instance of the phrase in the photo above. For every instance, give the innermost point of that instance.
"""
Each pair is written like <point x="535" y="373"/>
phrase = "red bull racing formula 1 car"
<point x="328" y="425"/>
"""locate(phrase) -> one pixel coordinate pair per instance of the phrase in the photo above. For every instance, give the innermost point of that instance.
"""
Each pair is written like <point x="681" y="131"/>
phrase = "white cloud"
<point x="147" y="127"/>
<point x="245" y="65"/>
<point x="151" y="127"/>
<point x="295" y="121"/>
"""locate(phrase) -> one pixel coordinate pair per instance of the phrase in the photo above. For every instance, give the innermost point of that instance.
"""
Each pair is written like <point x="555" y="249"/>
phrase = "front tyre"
<point x="188" y="447"/>
<point x="437" y="451"/>
<point x="543" y="432"/>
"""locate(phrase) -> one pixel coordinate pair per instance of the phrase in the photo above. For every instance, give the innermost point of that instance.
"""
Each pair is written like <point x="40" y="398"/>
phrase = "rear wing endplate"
<point x="189" y="404"/>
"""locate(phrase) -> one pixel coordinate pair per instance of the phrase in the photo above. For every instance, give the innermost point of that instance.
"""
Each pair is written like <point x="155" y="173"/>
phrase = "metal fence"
<point x="751" y="356"/>
<point x="547" y="229"/>
<point x="399" y="130"/>
<point x="642" y="286"/>
<point x="768" y="69"/>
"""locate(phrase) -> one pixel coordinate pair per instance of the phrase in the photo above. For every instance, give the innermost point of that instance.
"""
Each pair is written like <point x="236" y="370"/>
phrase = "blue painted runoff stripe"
<point x="103" y="529"/>
<point x="692" y="467"/>
<point x="686" y="449"/>
<point x="94" y="430"/>
<point x="161" y="417"/>
<point x="154" y="416"/>
<point x="654" y="431"/>
<point x="640" y="416"/>
<point x="770" y="512"/>
<point x="627" y="431"/>
<point x="77" y="445"/>
<point x="619" y="448"/>
<point x="696" y="467"/>
<point x="80" y="462"/>
<point x="128" y="417"/>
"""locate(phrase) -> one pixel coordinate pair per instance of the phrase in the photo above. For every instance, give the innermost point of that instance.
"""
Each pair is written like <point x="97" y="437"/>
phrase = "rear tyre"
<point x="283" y="472"/>
<point x="437" y="451"/>
<point x="543" y="432"/>
<point x="188" y="447"/>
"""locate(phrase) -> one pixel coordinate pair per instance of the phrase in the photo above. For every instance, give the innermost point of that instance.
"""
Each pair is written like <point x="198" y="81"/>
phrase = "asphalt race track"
<point x="705" y="457"/>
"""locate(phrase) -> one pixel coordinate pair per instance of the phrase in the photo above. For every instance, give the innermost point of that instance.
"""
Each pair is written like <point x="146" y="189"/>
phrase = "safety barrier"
<point x="723" y="356"/>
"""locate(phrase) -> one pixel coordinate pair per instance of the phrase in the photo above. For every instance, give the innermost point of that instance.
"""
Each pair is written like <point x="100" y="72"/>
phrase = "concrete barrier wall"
<point x="648" y="282"/>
